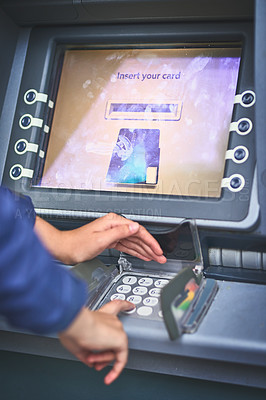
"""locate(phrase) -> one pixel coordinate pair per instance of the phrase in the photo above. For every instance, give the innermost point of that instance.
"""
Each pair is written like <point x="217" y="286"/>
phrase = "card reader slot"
<point x="159" y="110"/>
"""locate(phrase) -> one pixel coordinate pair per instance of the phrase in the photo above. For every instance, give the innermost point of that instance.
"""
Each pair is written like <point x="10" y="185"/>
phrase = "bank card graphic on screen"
<point x="135" y="157"/>
<point x="182" y="98"/>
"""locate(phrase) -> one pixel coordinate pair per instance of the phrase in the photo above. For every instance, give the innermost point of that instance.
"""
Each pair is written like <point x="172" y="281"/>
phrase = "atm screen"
<point x="143" y="120"/>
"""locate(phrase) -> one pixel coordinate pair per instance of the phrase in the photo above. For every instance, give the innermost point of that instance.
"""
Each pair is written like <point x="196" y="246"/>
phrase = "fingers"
<point x="111" y="221"/>
<point x="149" y="241"/>
<point x="98" y="361"/>
<point x="99" y="366"/>
<point x="135" y="244"/>
<point x="135" y="253"/>
<point x="115" y="231"/>
<point x="137" y="248"/>
<point x="102" y="360"/>
<point x="141" y="242"/>
<point x="116" y="306"/>
<point x="98" y="338"/>
<point x="103" y="357"/>
<point x="112" y="235"/>
<point x="121" y="360"/>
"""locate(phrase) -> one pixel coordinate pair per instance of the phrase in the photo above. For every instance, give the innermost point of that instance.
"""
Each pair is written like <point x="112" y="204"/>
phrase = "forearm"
<point x="86" y="242"/>
<point x="69" y="247"/>
<point x="57" y="242"/>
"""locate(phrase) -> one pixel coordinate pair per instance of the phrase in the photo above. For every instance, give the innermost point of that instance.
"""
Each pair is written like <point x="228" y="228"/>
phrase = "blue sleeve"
<point x="35" y="292"/>
<point x="23" y="205"/>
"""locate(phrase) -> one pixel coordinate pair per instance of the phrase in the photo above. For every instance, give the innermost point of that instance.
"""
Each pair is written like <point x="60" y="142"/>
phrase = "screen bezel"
<point x="43" y="53"/>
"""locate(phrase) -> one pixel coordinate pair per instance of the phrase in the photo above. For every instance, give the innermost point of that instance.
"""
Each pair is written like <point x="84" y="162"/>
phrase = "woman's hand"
<point x="110" y="231"/>
<point x="97" y="338"/>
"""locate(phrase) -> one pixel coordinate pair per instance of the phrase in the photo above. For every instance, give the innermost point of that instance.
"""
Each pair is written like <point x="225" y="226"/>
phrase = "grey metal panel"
<point x="7" y="48"/>
<point x="233" y="329"/>
<point x="97" y="11"/>
<point x="231" y="338"/>
<point x="260" y="115"/>
<point x="38" y="11"/>
<point x="235" y="373"/>
<point x="11" y="96"/>
<point x="247" y="223"/>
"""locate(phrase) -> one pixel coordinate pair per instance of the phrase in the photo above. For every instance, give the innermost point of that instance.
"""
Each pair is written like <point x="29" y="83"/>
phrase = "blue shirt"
<point x="36" y="293"/>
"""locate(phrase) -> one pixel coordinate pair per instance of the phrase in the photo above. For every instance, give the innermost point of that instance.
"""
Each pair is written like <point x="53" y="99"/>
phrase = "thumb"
<point x="119" y="232"/>
<point x="114" y="307"/>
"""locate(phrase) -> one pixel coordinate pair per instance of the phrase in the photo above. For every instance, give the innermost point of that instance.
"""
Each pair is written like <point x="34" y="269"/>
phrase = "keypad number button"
<point x="123" y="289"/>
<point x="140" y="290"/>
<point x="129" y="280"/>
<point x="155" y="292"/>
<point x="144" y="311"/>
<point x="160" y="283"/>
<point x="145" y="282"/>
<point x="134" y="299"/>
<point x="118" y="296"/>
<point x="150" y="301"/>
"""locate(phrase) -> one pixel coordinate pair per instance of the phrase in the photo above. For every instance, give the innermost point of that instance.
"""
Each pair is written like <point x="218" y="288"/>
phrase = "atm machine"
<point x="153" y="110"/>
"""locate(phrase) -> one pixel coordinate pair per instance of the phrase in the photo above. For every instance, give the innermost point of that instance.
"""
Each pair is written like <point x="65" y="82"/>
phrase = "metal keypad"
<point x="143" y="291"/>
